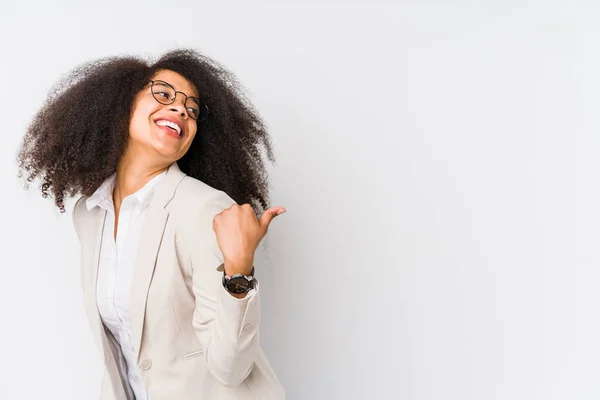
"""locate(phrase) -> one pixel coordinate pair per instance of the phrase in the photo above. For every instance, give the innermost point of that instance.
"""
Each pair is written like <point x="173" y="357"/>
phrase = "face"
<point x="150" y="135"/>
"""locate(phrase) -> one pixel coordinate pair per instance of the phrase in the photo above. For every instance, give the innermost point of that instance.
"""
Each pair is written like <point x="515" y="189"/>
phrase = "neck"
<point x="133" y="173"/>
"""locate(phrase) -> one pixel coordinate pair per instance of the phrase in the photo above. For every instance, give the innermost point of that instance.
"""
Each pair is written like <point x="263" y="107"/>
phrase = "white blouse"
<point x="117" y="260"/>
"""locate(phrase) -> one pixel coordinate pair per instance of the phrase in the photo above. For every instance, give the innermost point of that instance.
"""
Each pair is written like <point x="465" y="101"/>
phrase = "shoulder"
<point x="199" y="199"/>
<point x="200" y="195"/>
<point x="80" y="202"/>
<point x="192" y="211"/>
<point x="78" y="209"/>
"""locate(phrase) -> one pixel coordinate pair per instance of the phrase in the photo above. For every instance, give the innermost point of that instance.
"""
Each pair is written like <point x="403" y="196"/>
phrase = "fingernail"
<point x="281" y="211"/>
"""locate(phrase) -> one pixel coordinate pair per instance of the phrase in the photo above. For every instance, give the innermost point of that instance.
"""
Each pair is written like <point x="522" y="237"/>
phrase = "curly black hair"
<point x="77" y="138"/>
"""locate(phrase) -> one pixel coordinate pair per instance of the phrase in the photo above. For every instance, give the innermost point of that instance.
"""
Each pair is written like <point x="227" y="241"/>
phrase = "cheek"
<point x="192" y="130"/>
<point x="140" y="122"/>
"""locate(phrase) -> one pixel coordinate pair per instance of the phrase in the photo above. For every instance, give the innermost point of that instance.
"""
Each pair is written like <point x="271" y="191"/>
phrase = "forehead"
<point x="177" y="81"/>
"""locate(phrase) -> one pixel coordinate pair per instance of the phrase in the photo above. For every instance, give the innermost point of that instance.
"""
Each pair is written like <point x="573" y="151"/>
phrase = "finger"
<point x="269" y="214"/>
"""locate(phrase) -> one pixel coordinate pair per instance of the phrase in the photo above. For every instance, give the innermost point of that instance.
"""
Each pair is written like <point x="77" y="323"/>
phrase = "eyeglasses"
<point x="165" y="94"/>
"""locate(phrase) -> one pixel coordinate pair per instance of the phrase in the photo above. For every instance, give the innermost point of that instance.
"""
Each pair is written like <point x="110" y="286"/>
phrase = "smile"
<point x="171" y="125"/>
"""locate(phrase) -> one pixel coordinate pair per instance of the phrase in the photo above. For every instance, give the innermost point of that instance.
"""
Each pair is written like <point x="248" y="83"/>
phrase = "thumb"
<point x="269" y="214"/>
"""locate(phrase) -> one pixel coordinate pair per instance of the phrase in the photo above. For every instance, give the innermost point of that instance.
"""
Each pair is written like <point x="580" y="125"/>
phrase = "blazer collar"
<point x="165" y="189"/>
<point x="103" y="195"/>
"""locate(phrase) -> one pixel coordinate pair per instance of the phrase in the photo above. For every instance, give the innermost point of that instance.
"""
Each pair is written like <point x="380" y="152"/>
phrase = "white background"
<point x="438" y="161"/>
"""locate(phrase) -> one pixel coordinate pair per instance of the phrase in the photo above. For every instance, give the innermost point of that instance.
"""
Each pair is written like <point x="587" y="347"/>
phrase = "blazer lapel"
<point x="91" y="260"/>
<point x="154" y="227"/>
<point x="150" y="241"/>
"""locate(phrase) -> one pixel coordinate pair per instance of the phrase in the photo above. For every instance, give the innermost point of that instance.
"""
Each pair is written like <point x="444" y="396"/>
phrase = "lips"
<point x="170" y="124"/>
<point x="169" y="131"/>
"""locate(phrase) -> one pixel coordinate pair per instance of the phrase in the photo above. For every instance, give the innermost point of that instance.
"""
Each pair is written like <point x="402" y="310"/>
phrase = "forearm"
<point x="232" y="337"/>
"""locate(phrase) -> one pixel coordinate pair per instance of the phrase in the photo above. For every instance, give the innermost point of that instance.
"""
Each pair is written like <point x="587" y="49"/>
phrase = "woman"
<point x="164" y="154"/>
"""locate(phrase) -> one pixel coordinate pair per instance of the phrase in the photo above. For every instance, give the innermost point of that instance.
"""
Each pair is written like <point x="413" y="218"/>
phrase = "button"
<point x="249" y="327"/>
<point x="146" y="364"/>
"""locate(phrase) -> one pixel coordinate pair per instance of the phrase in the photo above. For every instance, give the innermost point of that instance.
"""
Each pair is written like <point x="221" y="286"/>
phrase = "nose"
<point x="179" y="105"/>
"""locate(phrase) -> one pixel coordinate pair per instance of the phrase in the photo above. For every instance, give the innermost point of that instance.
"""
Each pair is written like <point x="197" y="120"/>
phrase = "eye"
<point x="164" y="94"/>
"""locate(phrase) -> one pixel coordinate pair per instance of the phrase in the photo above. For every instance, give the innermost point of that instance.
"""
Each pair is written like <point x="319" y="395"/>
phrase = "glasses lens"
<point x="163" y="93"/>
<point x="193" y="107"/>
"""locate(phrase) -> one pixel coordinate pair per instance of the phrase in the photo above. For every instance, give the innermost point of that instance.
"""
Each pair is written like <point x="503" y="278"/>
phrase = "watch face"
<point x="238" y="285"/>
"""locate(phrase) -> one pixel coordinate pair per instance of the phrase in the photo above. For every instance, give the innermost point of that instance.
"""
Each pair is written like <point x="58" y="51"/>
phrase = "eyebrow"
<point x="161" y="80"/>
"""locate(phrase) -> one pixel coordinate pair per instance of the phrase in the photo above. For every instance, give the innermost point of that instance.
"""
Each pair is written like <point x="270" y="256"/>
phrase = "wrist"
<point x="243" y="267"/>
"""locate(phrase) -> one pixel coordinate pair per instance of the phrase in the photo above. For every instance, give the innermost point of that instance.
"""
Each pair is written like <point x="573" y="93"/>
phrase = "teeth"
<point x="164" y="122"/>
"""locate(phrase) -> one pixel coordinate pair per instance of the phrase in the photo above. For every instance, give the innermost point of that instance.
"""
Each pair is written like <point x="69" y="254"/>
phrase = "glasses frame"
<point x="161" y="101"/>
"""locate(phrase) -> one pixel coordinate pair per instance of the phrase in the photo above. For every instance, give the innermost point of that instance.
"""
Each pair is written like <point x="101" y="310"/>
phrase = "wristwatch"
<point x="238" y="283"/>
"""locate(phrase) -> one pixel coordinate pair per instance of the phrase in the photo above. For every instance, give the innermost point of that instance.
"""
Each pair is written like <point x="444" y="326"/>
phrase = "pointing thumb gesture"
<point x="239" y="232"/>
<point x="268" y="216"/>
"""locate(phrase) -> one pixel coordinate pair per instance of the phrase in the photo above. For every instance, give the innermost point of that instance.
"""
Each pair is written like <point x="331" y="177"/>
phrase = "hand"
<point x="239" y="233"/>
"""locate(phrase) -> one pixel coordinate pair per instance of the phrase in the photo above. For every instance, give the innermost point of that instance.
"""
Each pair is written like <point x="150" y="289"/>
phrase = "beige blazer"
<point x="192" y="339"/>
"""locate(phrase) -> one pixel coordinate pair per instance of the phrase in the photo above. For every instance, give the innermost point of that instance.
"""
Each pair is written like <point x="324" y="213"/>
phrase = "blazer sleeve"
<point x="226" y="326"/>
